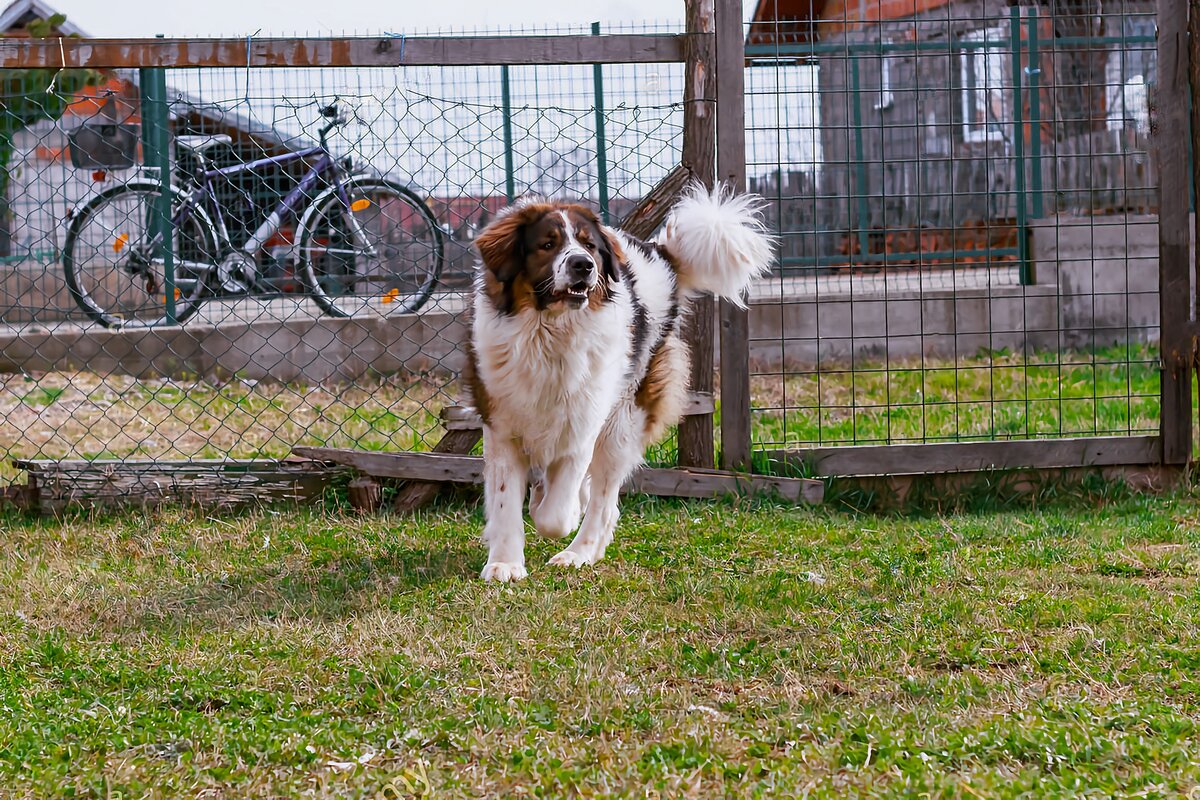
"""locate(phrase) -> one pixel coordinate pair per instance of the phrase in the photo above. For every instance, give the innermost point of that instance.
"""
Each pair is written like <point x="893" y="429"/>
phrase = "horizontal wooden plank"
<point x="461" y="418"/>
<point x="155" y="465"/>
<point x="704" y="484"/>
<point x="57" y="485"/>
<point x="910" y="459"/>
<point x="404" y="466"/>
<point x="387" y="51"/>
<point x="692" y="483"/>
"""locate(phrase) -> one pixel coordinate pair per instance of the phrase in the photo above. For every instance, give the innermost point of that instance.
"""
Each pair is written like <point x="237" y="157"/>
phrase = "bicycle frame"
<point x="289" y="204"/>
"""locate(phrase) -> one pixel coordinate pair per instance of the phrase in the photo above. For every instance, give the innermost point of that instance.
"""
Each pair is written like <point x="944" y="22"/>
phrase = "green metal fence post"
<point x="156" y="142"/>
<point x="1019" y="145"/>
<point x="510" y="184"/>
<point x="1034" y="71"/>
<point x="601" y="146"/>
<point x="860" y="163"/>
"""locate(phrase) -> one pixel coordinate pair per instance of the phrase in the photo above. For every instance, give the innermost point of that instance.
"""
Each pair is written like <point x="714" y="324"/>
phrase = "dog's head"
<point x="548" y="256"/>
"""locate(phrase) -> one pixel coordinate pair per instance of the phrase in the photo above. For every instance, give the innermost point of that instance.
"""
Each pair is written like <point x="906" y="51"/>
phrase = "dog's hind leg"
<point x="505" y="470"/>
<point x="617" y="455"/>
<point x="558" y="510"/>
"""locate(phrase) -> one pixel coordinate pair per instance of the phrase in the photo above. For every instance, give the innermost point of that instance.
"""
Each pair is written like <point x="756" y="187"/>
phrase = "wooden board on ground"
<point x="57" y="485"/>
<point x="416" y="493"/>
<point x="694" y="483"/>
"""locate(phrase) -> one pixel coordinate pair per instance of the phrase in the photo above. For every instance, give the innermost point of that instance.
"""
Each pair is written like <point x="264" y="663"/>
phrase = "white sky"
<point x="110" y="18"/>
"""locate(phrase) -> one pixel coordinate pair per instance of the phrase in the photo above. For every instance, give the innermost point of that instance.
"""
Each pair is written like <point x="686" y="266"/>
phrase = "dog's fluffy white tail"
<point x="719" y="240"/>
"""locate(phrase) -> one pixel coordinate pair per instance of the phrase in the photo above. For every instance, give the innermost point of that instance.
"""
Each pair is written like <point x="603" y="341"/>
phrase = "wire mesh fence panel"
<point x="966" y="203"/>
<point x="303" y="276"/>
<point x="964" y="194"/>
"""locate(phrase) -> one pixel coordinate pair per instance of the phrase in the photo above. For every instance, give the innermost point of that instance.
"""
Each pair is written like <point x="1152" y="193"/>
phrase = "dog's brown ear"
<point x="611" y="254"/>
<point x="502" y="248"/>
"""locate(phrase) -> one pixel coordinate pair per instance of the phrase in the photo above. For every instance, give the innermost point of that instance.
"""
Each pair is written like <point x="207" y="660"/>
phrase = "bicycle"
<point x="364" y="244"/>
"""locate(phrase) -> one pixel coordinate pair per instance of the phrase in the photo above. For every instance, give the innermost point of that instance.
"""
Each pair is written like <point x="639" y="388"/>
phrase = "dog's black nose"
<point x="579" y="266"/>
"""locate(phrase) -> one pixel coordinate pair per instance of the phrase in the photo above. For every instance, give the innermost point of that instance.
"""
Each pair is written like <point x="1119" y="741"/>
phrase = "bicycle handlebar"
<point x="336" y="120"/>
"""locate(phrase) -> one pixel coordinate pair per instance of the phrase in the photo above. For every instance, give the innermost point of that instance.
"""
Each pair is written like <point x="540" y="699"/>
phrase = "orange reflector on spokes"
<point x="360" y="204"/>
<point x="178" y="294"/>
<point x="120" y="243"/>
<point x="391" y="296"/>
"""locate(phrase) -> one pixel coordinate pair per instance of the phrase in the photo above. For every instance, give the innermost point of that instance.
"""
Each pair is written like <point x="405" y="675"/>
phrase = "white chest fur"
<point x="552" y="379"/>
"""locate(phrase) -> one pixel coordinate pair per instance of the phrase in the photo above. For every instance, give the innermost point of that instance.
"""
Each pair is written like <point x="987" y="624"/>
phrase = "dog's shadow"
<point x="325" y="590"/>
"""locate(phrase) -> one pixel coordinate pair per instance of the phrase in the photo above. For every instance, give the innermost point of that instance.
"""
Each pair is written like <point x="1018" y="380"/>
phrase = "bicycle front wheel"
<point x="374" y="251"/>
<point x="110" y="268"/>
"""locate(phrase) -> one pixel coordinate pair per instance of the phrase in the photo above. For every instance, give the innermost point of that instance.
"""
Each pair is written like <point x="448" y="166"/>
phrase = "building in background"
<point x="945" y="124"/>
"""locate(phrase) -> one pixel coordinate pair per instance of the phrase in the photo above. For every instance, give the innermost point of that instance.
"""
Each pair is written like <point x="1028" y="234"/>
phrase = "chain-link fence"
<point x="312" y="289"/>
<point x="965" y="197"/>
<point x="969" y="239"/>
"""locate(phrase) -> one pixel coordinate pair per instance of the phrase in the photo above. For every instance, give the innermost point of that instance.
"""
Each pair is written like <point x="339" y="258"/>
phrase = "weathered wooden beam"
<point x="694" y="483"/>
<point x="57" y="485"/>
<point x="907" y="459"/>
<point x="651" y="211"/>
<point x="731" y="171"/>
<point x="365" y="51"/>
<point x="695" y="435"/>
<point x="1194" y="88"/>
<point x="462" y="418"/>
<point x="1174" y="267"/>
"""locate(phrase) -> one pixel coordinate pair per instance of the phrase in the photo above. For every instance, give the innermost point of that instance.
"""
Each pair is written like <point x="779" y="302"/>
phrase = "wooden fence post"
<point x="731" y="170"/>
<point x="696" y="448"/>
<point x="1175" y="290"/>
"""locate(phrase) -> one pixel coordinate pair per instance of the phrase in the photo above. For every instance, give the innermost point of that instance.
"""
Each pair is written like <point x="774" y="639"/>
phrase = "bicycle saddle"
<point x="202" y="142"/>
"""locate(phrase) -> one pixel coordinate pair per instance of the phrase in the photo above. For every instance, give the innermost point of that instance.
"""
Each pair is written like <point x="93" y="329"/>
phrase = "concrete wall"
<point x="307" y="351"/>
<point x="1096" y="285"/>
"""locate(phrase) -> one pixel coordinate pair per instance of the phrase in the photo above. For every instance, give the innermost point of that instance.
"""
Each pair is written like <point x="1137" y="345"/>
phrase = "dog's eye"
<point x="548" y="246"/>
<point x="589" y="245"/>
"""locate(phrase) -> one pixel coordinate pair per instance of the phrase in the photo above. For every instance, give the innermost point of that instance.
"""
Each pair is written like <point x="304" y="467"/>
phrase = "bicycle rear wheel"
<point x="111" y="275"/>
<point x="378" y="252"/>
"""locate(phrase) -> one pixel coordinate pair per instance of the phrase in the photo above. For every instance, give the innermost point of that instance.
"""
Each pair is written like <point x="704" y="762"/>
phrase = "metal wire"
<point x="967" y="240"/>
<point x="965" y="206"/>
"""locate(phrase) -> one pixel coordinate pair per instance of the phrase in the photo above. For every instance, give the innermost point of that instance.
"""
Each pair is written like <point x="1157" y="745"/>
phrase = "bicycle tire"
<point x="316" y="258"/>
<point x="186" y="302"/>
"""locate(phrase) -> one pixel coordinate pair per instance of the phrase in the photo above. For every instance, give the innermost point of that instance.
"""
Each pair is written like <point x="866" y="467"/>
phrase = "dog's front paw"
<point x="570" y="558"/>
<point x="503" y="572"/>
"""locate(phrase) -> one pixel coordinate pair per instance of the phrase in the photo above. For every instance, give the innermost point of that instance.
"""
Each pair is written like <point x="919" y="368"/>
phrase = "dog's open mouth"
<point x="574" y="295"/>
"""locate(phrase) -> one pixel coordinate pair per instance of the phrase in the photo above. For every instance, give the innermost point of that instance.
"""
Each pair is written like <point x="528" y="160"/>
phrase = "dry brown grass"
<point x="84" y="415"/>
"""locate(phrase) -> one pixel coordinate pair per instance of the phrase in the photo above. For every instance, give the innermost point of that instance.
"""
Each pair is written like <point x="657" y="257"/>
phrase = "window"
<point x="984" y="63"/>
<point x="1127" y="103"/>
<point x="885" y="79"/>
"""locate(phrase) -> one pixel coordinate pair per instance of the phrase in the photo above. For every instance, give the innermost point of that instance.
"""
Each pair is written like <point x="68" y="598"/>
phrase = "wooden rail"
<point x="364" y="51"/>
<point x="694" y="483"/>
<point x="909" y="459"/>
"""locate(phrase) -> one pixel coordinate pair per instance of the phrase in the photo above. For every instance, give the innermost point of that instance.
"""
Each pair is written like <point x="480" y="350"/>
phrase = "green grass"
<point x="997" y="395"/>
<point x="720" y="650"/>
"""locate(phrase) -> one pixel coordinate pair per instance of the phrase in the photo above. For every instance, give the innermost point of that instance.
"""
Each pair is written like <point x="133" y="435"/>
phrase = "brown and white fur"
<point x="576" y="361"/>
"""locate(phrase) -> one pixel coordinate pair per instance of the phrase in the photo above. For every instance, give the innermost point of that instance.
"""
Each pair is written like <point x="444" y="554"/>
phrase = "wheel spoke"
<point x="112" y="228"/>
<point x="380" y="255"/>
